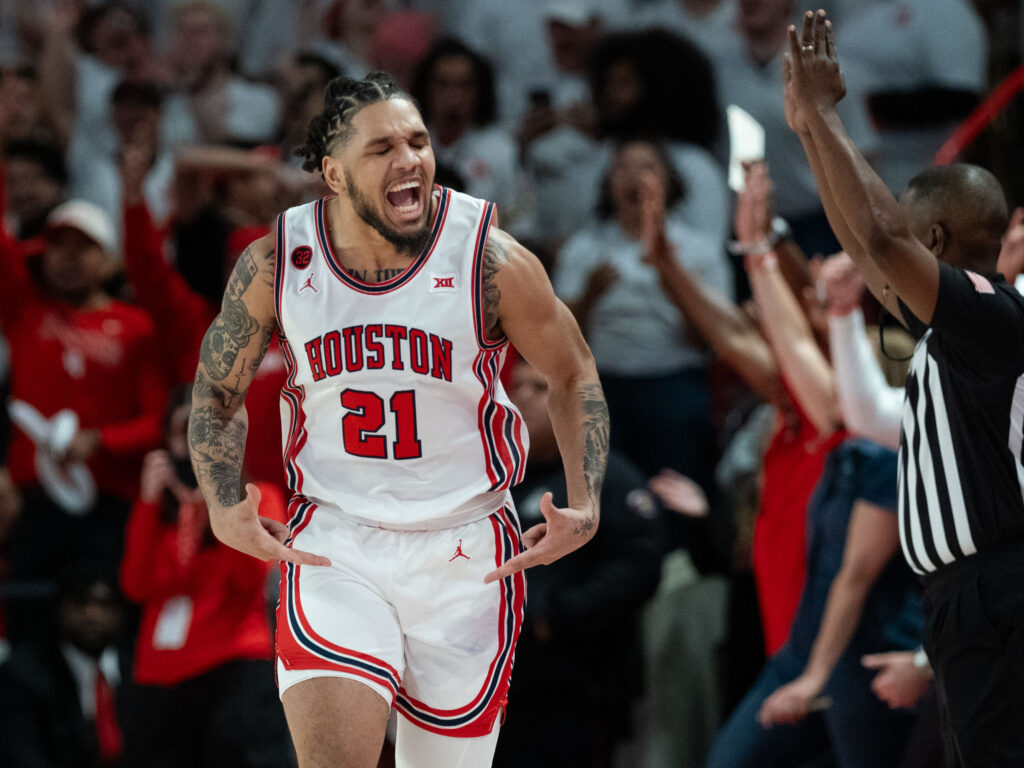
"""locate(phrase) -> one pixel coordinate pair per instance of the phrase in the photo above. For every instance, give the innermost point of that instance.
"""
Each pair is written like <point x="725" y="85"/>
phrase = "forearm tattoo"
<point x="228" y="356"/>
<point x="494" y="256"/>
<point x="596" y="434"/>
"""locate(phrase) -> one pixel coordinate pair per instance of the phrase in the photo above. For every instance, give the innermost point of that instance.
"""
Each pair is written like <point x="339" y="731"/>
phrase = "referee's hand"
<point x="242" y="528"/>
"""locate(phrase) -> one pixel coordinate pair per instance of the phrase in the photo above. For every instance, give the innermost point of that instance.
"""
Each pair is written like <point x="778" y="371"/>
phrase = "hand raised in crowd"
<point x="538" y="120"/>
<point x="1011" y="255"/>
<point x="10" y="504"/>
<point x="679" y="493"/>
<point x="814" y="81"/>
<point x="754" y="206"/>
<point x="241" y="527"/>
<point x="136" y="160"/>
<point x="792" y="702"/>
<point x="652" y="219"/>
<point x="563" y="531"/>
<point x="158" y="475"/>
<point x="82" y="446"/>
<point x="900" y="682"/>
<point x="843" y="284"/>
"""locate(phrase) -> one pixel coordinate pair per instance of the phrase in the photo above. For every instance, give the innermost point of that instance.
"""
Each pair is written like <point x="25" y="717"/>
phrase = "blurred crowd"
<point x="745" y="601"/>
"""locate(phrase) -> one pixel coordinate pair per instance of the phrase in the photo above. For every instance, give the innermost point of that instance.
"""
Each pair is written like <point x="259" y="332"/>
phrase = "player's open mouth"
<point x="405" y="200"/>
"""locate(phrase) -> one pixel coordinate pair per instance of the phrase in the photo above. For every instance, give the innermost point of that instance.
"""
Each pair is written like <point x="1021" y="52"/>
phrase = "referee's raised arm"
<point x="931" y="259"/>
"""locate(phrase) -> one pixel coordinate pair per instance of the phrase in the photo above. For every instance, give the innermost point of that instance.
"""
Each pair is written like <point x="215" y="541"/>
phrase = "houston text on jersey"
<point x="376" y="345"/>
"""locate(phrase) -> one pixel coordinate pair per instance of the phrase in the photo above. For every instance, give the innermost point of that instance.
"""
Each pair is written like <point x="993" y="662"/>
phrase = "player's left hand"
<point x="565" y="530"/>
<point x="816" y="81"/>
<point x="791" y="702"/>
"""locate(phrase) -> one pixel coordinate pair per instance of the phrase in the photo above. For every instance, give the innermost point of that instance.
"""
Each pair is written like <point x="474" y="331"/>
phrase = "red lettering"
<point x="418" y="360"/>
<point x="374" y="349"/>
<point x="396" y="333"/>
<point x="332" y="353"/>
<point x="353" y="348"/>
<point x="441" y="354"/>
<point x="315" y="357"/>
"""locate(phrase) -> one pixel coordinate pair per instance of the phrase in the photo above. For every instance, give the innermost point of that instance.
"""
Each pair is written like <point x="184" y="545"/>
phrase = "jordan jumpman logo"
<point x="309" y="284"/>
<point x="458" y="552"/>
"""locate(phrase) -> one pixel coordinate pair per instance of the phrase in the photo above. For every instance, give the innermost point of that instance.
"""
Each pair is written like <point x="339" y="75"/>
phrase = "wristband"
<point x="921" y="659"/>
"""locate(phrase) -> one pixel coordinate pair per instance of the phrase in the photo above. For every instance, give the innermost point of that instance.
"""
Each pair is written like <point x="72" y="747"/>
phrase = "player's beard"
<point x="411" y="244"/>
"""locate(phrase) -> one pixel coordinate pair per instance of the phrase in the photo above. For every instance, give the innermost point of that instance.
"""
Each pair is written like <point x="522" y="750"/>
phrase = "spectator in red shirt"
<point x="185" y="313"/>
<point x="75" y="348"/>
<point x="204" y="692"/>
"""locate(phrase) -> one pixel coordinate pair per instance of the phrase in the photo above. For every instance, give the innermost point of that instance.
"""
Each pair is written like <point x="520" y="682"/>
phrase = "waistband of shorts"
<point x="949" y="577"/>
<point x="479" y="508"/>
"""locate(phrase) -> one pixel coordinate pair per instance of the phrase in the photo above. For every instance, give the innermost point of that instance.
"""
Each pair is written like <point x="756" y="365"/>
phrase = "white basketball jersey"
<point x="393" y="411"/>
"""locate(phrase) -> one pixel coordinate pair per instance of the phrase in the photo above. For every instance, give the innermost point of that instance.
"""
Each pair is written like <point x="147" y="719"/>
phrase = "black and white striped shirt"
<point x="961" y="478"/>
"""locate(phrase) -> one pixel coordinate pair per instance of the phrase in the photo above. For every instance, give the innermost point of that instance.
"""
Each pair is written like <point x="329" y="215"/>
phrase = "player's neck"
<point x="359" y="248"/>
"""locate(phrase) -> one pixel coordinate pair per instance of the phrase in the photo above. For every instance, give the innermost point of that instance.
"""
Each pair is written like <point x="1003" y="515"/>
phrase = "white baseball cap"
<point x="91" y="220"/>
<point x="572" y="13"/>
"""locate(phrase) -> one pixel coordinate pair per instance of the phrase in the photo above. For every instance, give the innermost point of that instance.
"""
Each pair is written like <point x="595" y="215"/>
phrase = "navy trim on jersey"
<point x="279" y="276"/>
<point x="312" y="645"/>
<point x="507" y="648"/>
<point x="399" y="280"/>
<point x="478" y="281"/>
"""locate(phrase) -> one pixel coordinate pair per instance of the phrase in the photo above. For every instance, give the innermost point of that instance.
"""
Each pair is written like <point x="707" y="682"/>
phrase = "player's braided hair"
<point x="343" y="99"/>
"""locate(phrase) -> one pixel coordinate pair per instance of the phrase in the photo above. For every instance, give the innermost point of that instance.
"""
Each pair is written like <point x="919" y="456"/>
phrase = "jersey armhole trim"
<point x="479" y="254"/>
<point x="279" y="276"/>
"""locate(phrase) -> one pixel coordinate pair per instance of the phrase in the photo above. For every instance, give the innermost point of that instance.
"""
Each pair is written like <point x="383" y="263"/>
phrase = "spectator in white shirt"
<point x="922" y="65"/>
<point x="653" y="370"/>
<point x="455" y="89"/>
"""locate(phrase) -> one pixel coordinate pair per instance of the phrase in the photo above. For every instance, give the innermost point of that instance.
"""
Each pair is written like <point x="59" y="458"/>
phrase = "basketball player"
<point x="930" y="258"/>
<point x="395" y="301"/>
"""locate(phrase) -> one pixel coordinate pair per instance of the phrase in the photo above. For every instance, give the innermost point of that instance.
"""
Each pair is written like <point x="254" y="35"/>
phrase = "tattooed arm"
<point x="520" y="304"/>
<point x="231" y="352"/>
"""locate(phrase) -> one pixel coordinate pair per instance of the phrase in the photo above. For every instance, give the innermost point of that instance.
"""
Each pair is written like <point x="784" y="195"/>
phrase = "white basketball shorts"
<point x="406" y="613"/>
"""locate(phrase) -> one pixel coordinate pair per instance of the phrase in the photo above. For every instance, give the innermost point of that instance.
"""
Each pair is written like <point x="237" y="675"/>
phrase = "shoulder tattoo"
<point x="495" y="256"/>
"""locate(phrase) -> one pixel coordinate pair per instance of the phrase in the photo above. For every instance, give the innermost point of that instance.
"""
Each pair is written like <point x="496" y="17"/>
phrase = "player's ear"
<point x="937" y="239"/>
<point x="333" y="174"/>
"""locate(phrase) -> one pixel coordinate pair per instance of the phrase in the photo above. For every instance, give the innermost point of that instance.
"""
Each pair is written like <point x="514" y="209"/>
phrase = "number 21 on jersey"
<point x="366" y="417"/>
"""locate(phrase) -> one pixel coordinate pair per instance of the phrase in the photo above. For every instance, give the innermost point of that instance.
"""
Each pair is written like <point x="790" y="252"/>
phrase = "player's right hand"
<point x="242" y="528"/>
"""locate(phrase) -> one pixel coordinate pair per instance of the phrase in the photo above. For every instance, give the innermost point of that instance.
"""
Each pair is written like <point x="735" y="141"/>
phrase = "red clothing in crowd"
<point x="100" y="363"/>
<point x="203" y="604"/>
<point x="184" y="316"/>
<point x="793" y="465"/>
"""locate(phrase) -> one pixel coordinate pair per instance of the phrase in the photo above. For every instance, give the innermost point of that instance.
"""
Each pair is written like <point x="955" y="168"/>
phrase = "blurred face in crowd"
<point x="623" y="89"/>
<point x="760" y="17"/>
<point x="91" y="621"/>
<point x="257" y="193"/>
<point x="529" y="393"/>
<point x="199" y="43"/>
<point x="19" y="96"/>
<point x="74" y="266"/>
<point x="633" y="163"/>
<point x="31" y="194"/>
<point x="118" y="41"/>
<point x="452" y="94"/>
<point x="136" y="121"/>
<point x="362" y="17"/>
<point x="387" y="171"/>
<point x="571" y="45"/>
<point x="176" y="442"/>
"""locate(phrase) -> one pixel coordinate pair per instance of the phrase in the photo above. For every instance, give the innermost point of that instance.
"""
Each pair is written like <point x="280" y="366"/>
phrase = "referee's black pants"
<point x="974" y="637"/>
